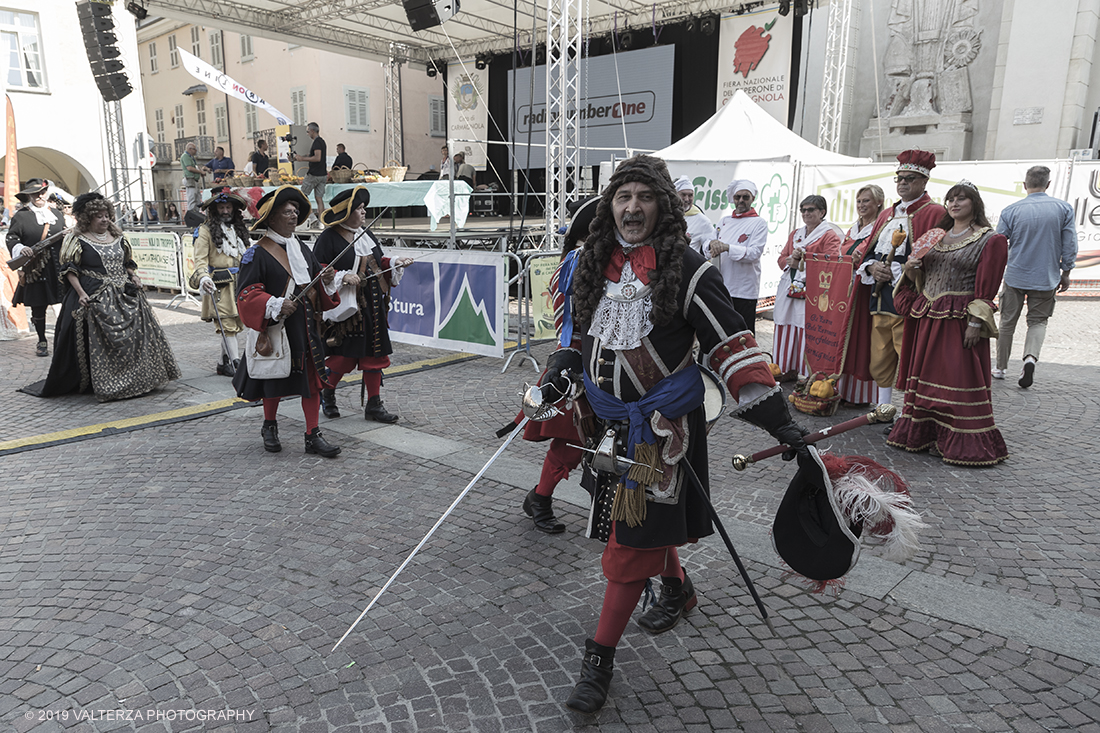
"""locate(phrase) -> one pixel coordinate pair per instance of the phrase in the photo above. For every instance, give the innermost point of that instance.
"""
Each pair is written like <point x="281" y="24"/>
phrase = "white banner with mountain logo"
<point x="467" y="113"/>
<point x="450" y="300"/>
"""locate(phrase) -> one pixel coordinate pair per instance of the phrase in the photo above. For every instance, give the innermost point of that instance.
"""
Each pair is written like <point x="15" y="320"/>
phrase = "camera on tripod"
<point x="289" y="138"/>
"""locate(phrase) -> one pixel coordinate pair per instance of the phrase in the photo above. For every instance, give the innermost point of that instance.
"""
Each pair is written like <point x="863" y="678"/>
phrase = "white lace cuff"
<point x="273" y="309"/>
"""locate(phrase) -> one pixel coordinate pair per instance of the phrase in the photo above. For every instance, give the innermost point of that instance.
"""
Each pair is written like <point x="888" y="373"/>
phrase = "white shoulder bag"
<point x="275" y="365"/>
<point x="349" y="300"/>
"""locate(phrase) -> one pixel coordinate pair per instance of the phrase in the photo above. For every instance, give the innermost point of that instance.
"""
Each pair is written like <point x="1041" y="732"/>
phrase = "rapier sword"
<point x="535" y="409"/>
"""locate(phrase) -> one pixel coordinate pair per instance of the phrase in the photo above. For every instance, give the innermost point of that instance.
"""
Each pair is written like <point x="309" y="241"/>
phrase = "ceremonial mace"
<point x="882" y="413"/>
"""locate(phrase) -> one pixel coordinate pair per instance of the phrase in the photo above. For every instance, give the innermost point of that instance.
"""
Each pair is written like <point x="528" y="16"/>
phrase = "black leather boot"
<point x="328" y="403"/>
<point x="226" y="368"/>
<point x="316" y="443"/>
<point x="270" y="433"/>
<point x="540" y="510"/>
<point x="376" y="411"/>
<point x="596" y="671"/>
<point x="675" y="600"/>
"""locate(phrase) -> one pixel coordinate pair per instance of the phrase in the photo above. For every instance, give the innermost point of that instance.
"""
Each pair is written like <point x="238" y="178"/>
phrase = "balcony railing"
<point x="163" y="153"/>
<point x="205" y="144"/>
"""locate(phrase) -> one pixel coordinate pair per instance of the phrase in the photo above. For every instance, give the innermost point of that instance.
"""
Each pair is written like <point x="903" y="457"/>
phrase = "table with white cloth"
<point x="435" y="195"/>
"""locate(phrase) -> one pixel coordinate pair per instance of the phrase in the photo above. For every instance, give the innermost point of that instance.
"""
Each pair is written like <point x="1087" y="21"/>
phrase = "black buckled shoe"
<point x="316" y="443"/>
<point x="43" y="349"/>
<point x="376" y="411"/>
<point x="596" y="671"/>
<point x="226" y="368"/>
<point x="328" y="403"/>
<point x="539" y="508"/>
<point x="676" y="599"/>
<point x="270" y="433"/>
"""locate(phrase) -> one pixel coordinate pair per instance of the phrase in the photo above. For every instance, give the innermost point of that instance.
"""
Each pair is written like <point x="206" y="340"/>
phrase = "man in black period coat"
<point x="274" y="271"/>
<point x="641" y="299"/>
<point x="40" y="285"/>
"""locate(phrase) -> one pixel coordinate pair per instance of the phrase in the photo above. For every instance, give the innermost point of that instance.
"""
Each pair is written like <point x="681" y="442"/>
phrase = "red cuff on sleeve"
<point x="738" y="361"/>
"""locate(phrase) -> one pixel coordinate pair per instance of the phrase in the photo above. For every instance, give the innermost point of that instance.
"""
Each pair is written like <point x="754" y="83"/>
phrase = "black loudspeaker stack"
<point x="98" y="26"/>
<point x="424" y="14"/>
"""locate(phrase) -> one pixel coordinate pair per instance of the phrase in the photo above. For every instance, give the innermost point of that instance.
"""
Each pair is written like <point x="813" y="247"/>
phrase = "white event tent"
<point x="741" y="140"/>
<point x="742" y="130"/>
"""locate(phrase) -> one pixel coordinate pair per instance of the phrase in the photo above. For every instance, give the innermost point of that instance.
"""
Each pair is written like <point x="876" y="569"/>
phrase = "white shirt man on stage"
<point x="739" y="245"/>
<point x="700" y="230"/>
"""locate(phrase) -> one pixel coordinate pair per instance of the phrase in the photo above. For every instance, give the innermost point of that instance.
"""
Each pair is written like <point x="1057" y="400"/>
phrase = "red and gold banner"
<point x="829" y="284"/>
<point x="11" y="160"/>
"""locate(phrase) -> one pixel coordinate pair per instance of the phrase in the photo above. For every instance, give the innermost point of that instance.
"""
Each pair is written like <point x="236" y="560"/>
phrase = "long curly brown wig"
<point x="669" y="239"/>
<point x="213" y="223"/>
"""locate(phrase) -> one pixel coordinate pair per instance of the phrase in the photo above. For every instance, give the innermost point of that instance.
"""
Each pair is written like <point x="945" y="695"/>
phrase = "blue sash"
<point x="674" y="396"/>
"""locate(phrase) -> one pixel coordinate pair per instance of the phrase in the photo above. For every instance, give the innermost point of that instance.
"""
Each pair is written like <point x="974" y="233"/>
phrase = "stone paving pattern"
<point x="182" y="568"/>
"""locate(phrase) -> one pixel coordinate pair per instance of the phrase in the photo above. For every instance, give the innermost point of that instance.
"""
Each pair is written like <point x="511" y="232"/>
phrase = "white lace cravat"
<point x="622" y="326"/>
<point x="231" y="245"/>
<point x="44" y="215"/>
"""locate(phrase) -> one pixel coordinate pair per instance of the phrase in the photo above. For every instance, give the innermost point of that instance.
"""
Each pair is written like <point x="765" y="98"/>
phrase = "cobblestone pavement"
<point x="153" y="577"/>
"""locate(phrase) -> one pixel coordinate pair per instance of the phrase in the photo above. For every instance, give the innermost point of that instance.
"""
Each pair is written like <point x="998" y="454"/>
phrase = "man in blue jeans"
<point x="1042" y="249"/>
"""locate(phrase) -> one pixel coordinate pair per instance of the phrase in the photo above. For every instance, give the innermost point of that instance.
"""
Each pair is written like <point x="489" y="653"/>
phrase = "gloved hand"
<point x="772" y="415"/>
<point x="555" y="386"/>
<point x="557" y="381"/>
<point x="791" y="434"/>
<point x="206" y="285"/>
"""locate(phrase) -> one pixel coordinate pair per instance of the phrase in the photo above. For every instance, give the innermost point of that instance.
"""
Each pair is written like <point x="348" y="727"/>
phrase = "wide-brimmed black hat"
<point x="343" y="203"/>
<point x="224" y="195"/>
<point x="809" y="532"/>
<point x="584" y="212"/>
<point x="272" y="201"/>
<point x="34" y="187"/>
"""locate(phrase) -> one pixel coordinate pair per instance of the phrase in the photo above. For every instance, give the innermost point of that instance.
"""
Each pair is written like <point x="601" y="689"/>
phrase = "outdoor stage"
<point x="479" y="232"/>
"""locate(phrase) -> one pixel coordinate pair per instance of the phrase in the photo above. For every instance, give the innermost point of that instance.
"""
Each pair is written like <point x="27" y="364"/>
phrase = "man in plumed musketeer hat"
<point x="273" y="287"/>
<point x="222" y="241"/>
<point x="357" y="334"/>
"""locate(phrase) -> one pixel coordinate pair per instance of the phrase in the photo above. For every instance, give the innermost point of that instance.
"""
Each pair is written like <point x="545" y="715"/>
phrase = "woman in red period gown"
<point x="947" y="299"/>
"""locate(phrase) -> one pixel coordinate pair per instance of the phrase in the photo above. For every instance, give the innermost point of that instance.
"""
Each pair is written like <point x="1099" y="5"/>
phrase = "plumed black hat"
<point x="809" y="532"/>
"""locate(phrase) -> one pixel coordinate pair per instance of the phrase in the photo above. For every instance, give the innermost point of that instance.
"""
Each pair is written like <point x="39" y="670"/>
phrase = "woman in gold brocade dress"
<point x="107" y="338"/>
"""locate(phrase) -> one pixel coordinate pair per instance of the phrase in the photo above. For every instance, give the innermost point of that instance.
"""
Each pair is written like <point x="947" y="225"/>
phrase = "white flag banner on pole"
<point x="207" y="74"/>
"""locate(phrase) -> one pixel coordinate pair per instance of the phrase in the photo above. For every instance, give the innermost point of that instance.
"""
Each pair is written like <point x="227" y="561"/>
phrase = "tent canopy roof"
<point x="379" y="29"/>
<point x="741" y="130"/>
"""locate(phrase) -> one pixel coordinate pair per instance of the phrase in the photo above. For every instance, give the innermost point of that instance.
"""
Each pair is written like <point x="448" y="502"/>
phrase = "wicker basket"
<point x="805" y="402"/>
<point x="815" y="405"/>
<point x="342" y="174"/>
<point x="394" y="171"/>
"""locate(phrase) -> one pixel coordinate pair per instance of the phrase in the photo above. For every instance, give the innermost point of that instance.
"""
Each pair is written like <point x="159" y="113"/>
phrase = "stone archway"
<point x="62" y="170"/>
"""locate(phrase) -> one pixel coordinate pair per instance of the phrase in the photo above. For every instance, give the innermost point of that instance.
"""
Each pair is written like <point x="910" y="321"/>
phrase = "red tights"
<point x="372" y="367"/>
<point x="311" y="406"/>
<point x="561" y="458"/>
<point x="620" y="599"/>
